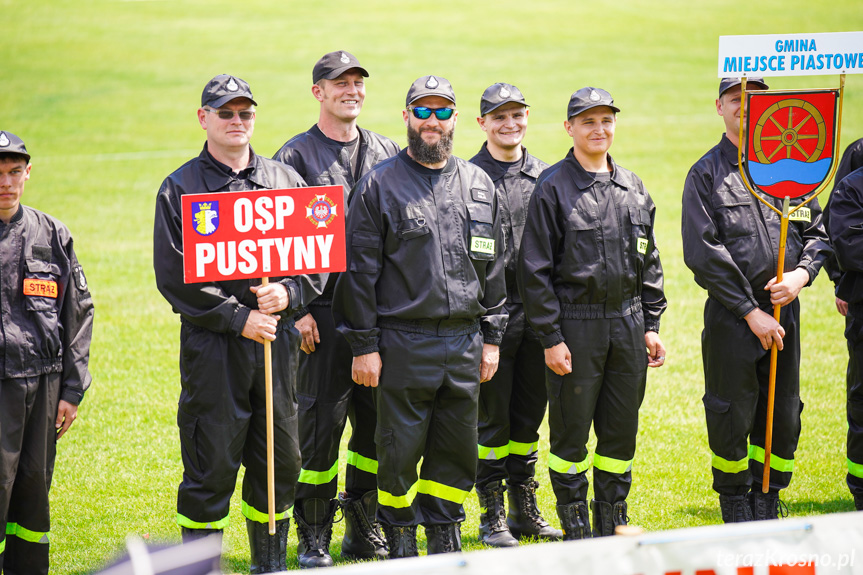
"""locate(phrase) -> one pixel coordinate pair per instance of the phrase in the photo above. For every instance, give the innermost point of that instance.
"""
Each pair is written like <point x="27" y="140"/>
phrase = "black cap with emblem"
<point x="497" y="95"/>
<point x="588" y="98"/>
<point x="334" y="64"/>
<point x="224" y="88"/>
<point x="12" y="144"/>
<point x="727" y="83"/>
<point x="430" y="86"/>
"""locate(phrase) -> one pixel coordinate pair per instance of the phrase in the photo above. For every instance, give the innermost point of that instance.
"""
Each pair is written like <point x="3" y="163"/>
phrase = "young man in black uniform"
<point x="852" y="160"/>
<point x="221" y="411"/>
<point x="591" y="282"/>
<point x="335" y="151"/>
<point x="46" y="321"/>
<point x="421" y="306"/>
<point x="512" y="404"/>
<point x="731" y="242"/>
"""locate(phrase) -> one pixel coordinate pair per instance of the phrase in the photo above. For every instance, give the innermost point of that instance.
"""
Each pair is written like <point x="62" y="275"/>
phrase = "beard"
<point x="430" y="154"/>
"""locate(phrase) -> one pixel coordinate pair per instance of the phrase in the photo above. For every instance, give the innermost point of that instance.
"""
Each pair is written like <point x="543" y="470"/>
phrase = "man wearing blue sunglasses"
<point x="421" y="306"/>
<point x="335" y="151"/>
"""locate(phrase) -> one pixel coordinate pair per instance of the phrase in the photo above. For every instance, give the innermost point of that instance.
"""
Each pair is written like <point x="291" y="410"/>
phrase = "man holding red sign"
<point x="730" y="242"/>
<point x="221" y="409"/>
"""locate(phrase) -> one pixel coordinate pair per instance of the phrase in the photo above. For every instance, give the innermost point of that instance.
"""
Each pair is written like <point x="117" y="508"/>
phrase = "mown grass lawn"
<point x="104" y="93"/>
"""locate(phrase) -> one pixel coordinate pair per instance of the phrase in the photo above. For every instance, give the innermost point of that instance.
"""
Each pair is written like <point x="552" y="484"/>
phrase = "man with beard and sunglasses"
<point x="421" y="305"/>
<point x="335" y="151"/>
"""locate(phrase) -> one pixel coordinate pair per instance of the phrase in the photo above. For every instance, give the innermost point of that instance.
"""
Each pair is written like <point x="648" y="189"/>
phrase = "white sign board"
<point x="791" y="55"/>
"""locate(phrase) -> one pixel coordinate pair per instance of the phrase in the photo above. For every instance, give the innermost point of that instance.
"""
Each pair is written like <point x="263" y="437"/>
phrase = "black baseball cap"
<point x="12" y="144"/>
<point x="588" y="98"/>
<point x="430" y="86"/>
<point x="224" y="88"/>
<point x="728" y="83"/>
<point x="497" y="95"/>
<point x="334" y="64"/>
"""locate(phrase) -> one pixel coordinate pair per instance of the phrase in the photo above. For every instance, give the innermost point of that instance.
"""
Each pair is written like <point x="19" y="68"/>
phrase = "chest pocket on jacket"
<point x="734" y="217"/>
<point x="639" y="220"/>
<point x="41" y="285"/>
<point x="412" y="223"/>
<point x="482" y="241"/>
<point x="580" y="244"/>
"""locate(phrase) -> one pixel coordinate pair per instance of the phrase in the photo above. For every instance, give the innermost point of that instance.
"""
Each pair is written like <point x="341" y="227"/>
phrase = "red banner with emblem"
<point x="263" y="233"/>
<point x="790" y="140"/>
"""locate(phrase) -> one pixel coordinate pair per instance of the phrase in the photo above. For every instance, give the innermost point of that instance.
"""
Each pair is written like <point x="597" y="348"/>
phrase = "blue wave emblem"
<point x="790" y="171"/>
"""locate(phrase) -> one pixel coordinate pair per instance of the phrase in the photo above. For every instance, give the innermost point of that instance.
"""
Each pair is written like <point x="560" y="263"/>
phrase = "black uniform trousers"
<point x="427" y="408"/>
<point x="606" y="388"/>
<point x="327" y="397"/>
<point x="854" y="336"/>
<point x="736" y="376"/>
<point x="28" y="447"/>
<point x="512" y="405"/>
<point x="222" y="420"/>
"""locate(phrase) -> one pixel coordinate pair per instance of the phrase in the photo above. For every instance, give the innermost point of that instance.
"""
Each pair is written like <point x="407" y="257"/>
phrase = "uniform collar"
<point x="484" y="159"/>
<point x="217" y="175"/>
<point x="583" y="179"/>
<point x="317" y="133"/>
<point x="729" y="150"/>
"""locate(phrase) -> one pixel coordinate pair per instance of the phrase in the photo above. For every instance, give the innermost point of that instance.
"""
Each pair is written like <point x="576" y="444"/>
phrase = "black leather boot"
<point x="766" y="505"/>
<point x="493" y="530"/>
<point x="735" y="508"/>
<point x="401" y="540"/>
<point x="363" y="538"/>
<point x="314" y="520"/>
<point x="607" y="516"/>
<point x="524" y="519"/>
<point x="194" y="534"/>
<point x="444" y="538"/>
<point x="575" y="520"/>
<point x="268" y="552"/>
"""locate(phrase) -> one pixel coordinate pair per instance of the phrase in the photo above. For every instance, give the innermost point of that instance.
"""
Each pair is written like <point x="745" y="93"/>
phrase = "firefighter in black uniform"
<point x="512" y="404"/>
<point x="335" y="151"/>
<point x="422" y="308"/>
<point x="221" y="411"/>
<point x="731" y="242"/>
<point x="852" y="160"/>
<point x="46" y="320"/>
<point x="591" y="282"/>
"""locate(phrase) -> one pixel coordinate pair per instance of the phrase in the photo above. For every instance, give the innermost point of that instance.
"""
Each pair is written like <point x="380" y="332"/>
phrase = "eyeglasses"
<point x="424" y="113"/>
<point x="245" y="115"/>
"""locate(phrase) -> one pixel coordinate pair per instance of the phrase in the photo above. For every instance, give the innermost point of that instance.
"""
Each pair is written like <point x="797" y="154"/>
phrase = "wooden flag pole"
<point x="271" y="477"/>
<point x="774" y="349"/>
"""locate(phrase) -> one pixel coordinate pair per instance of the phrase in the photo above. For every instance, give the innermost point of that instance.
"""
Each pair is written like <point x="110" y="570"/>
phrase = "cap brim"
<point x="428" y="94"/>
<point x="225" y="99"/>
<point x="496" y="106"/>
<point x="592" y="106"/>
<point x="339" y="71"/>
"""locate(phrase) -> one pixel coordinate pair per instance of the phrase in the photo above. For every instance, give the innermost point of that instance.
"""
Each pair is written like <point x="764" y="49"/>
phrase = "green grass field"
<point x="104" y="93"/>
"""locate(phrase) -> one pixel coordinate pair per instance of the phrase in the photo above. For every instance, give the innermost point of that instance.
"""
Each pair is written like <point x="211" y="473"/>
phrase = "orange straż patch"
<point x="41" y="288"/>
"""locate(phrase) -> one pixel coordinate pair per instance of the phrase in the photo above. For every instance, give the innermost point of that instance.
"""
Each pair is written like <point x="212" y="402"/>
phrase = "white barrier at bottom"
<point x="801" y="546"/>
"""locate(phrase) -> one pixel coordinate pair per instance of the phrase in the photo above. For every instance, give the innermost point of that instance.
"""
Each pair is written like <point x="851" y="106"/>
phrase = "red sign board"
<point x="789" y="144"/>
<point x="263" y="233"/>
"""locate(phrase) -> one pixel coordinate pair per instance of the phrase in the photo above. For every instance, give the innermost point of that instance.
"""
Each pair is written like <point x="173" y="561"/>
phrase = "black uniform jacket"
<point x="513" y="194"/>
<point x="47" y="333"/>
<point x="322" y="162"/>
<point x="731" y="240"/>
<point x="846" y="233"/>
<point x="588" y="250"/>
<point x="852" y="159"/>
<point x="422" y="245"/>
<point x="224" y="306"/>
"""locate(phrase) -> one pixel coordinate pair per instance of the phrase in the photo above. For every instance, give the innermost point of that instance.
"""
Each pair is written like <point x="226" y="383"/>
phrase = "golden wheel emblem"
<point x="791" y="136"/>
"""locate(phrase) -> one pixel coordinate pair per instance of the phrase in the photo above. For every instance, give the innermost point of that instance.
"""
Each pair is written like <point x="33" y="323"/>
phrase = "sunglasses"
<point x="245" y="115"/>
<point x="423" y="113"/>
